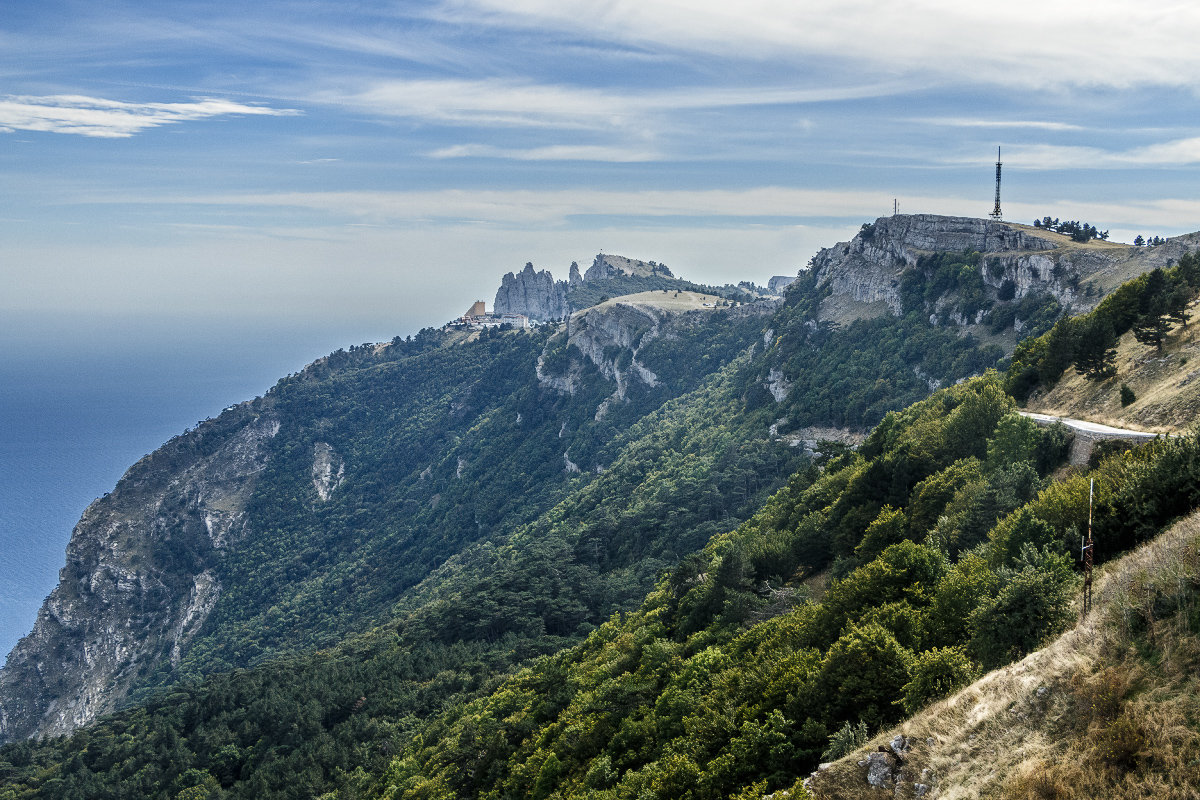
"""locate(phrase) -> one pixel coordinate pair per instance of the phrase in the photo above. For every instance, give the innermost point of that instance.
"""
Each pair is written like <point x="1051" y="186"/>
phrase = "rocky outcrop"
<point x="140" y="578"/>
<point x="868" y="267"/>
<point x="535" y="294"/>
<point x="328" y="470"/>
<point x="1023" y="260"/>
<point x="606" y="266"/>
<point x="778" y="283"/>
<point x="610" y="337"/>
<point x="541" y="298"/>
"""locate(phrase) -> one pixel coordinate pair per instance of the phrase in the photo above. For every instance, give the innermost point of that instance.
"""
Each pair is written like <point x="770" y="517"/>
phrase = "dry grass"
<point x="1167" y="386"/>
<point x="667" y="301"/>
<point x="1109" y="710"/>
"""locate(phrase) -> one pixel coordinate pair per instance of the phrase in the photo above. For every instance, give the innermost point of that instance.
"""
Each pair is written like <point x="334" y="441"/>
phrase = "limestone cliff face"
<point x="538" y="296"/>
<point x="611" y="336"/>
<point x="140" y="577"/>
<point x="867" y="269"/>
<point x="606" y="266"/>
<point x="778" y="283"/>
<point x="535" y="294"/>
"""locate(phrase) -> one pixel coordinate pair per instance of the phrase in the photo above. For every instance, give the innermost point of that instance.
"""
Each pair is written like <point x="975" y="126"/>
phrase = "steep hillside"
<point x="1110" y="709"/>
<point x="292" y="520"/>
<point x="732" y="681"/>
<point x="1166" y="391"/>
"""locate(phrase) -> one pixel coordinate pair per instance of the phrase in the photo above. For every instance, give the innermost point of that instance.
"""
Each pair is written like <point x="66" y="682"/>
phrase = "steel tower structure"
<point x="996" y="213"/>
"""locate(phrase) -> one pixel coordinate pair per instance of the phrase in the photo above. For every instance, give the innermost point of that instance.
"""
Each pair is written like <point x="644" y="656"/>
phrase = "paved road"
<point x="1104" y="431"/>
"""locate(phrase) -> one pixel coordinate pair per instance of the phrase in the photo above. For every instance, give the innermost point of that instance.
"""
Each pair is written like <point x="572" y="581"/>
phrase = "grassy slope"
<point x="1107" y="710"/>
<point x="666" y="300"/>
<point x="1168" y="394"/>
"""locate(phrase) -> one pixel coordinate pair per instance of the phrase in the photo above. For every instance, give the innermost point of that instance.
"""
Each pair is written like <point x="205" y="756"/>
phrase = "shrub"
<point x="863" y="674"/>
<point x="1032" y="606"/>
<point x="845" y="741"/>
<point x="1122" y="743"/>
<point x="937" y="674"/>
<point x="1127" y="395"/>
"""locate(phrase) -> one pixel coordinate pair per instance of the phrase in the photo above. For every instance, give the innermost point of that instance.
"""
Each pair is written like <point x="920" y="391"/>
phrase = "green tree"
<point x="1127" y="395"/>
<point x="1095" y="347"/>
<point x="1033" y="604"/>
<point x="863" y="674"/>
<point x="1177" y="302"/>
<point x="1153" y="322"/>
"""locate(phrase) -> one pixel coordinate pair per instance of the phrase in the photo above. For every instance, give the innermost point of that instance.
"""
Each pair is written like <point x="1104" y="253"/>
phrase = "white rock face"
<point x="117" y="607"/>
<point x="778" y="385"/>
<point x="606" y="265"/>
<point x="868" y="267"/>
<point x="778" y="283"/>
<point x="328" y="470"/>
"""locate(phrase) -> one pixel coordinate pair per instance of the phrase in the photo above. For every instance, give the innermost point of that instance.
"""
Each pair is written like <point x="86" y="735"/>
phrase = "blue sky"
<point x="387" y="162"/>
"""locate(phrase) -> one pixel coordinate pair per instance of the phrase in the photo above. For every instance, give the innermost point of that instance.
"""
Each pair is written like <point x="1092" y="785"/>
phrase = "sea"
<point x="83" y="399"/>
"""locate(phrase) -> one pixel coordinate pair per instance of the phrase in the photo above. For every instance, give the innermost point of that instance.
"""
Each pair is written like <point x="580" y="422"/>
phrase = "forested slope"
<point x="666" y="482"/>
<point x="437" y="512"/>
<point x="734" y="679"/>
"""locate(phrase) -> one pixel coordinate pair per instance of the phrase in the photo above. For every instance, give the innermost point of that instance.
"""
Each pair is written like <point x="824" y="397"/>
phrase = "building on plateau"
<point x="477" y="318"/>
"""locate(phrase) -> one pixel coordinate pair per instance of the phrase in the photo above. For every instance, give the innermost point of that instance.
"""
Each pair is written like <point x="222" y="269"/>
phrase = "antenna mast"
<point x="996" y="213"/>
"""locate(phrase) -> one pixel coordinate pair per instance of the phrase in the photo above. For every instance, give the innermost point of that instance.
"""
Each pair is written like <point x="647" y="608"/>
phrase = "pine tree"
<point x="1095" y="348"/>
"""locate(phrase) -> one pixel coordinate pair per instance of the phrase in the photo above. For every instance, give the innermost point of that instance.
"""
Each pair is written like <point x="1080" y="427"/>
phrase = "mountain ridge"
<point x="481" y="545"/>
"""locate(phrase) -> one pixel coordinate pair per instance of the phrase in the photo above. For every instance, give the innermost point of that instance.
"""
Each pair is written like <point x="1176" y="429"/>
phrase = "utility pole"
<point x="1086" y="553"/>
<point x="996" y="213"/>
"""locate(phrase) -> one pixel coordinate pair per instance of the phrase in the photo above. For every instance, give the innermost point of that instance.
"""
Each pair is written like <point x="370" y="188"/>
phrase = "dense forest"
<point x="704" y="610"/>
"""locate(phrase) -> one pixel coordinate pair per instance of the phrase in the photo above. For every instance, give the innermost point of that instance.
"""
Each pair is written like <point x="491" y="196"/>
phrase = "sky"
<point x="210" y="194"/>
<point x="284" y="161"/>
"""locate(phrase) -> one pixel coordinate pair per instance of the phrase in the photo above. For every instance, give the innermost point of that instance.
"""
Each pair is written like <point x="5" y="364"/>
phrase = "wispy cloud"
<point x="113" y="119"/>
<point x="493" y="101"/>
<point x="763" y="208"/>
<point x="618" y="155"/>
<point x="557" y="207"/>
<point x="1030" y="124"/>
<point x="1178" y="152"/>
<point x="1034" y="43"/>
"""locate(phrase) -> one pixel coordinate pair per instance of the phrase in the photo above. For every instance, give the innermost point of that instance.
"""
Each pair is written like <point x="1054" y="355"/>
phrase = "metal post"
<point x="1087" y="555"/>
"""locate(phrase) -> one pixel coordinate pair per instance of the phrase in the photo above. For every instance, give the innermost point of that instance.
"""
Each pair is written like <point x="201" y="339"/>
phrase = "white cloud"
<point x="551" y="153"/>
<point x="555" y="207"/>
<point x="522" y="103"/>
<point x="1029" y="43"/>
<point x="964" y="122"/>
<point x="112" y="119"/>
<point x="1178" y="152"/>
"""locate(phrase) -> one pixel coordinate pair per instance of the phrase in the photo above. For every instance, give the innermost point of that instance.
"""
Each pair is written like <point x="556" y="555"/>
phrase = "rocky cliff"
<point x="535" y="294"/>
<point x="612" y="336"/>
<point x="868" y="269"/>
<point x="606" y="266"/>
<point x="538" y="296"/>
<point x="140" y="576"/>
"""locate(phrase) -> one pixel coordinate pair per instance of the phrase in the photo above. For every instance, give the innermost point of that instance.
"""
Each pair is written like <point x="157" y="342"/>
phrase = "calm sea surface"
<point x="73" y="418"/>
